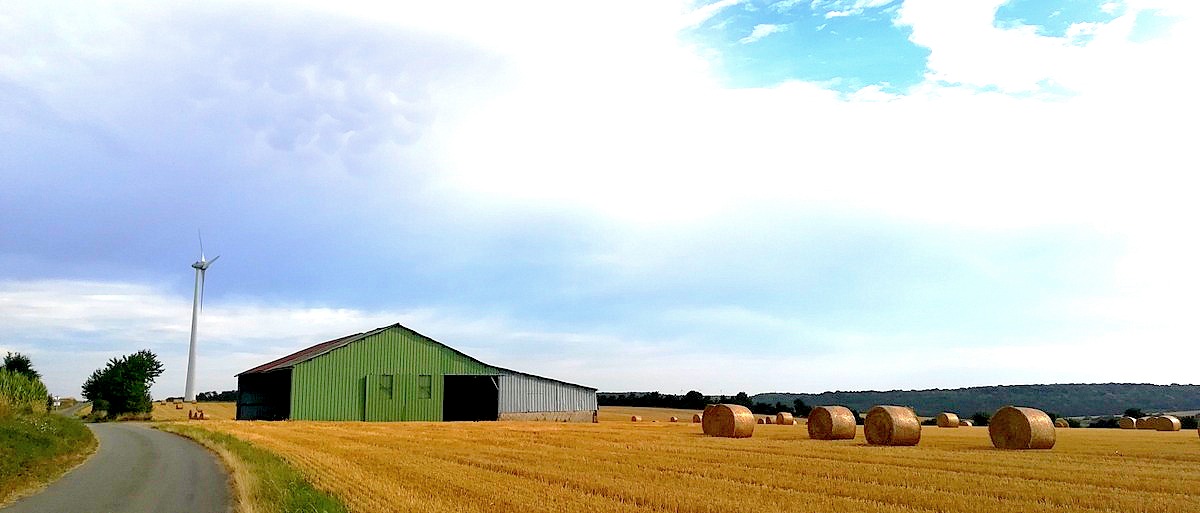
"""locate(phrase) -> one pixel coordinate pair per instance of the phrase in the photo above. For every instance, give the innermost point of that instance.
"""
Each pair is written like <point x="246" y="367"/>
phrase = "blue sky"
<point x="722" y="196"/>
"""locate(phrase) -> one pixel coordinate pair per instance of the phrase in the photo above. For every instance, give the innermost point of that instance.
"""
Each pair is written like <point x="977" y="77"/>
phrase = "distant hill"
<point x="1067" y="400"/>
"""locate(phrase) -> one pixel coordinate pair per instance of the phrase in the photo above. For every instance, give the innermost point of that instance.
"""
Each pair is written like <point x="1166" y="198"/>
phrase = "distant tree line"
<point x="1074" y="400"/>
<point x="694" y="400"/>
<point x="212" y="397"/>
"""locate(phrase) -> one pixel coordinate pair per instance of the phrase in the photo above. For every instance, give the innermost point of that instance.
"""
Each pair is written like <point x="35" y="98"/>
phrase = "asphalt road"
<point x="137" y="469"/>
<point x="71" y="410"/>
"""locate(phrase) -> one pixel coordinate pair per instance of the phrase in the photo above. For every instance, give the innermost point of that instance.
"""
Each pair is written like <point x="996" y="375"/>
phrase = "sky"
<point x="673" y="195"/>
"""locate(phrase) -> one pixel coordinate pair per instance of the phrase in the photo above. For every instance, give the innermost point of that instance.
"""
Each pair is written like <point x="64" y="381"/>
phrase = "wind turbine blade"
<point x="201" y="244"/>
<point x="214" y="259"/>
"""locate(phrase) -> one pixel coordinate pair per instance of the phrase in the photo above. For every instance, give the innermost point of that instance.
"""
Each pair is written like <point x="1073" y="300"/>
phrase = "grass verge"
<point x="262" y="481"/>
<point x="37" y="448"/>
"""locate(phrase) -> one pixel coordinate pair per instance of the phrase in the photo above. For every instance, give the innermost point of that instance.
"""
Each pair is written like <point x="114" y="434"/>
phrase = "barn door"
<point x="385" y="398"/>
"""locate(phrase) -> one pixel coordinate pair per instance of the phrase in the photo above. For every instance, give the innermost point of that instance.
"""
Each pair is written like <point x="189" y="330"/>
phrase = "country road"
<point x="136" y="469"/>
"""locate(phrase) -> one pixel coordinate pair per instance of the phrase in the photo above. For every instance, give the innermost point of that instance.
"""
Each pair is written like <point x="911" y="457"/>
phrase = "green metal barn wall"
<point x="348" y="383"/>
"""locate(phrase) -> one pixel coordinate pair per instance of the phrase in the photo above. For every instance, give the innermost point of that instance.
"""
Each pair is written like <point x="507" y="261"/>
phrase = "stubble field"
<point x="214" y="411"/>
<point x="617" y="465"/>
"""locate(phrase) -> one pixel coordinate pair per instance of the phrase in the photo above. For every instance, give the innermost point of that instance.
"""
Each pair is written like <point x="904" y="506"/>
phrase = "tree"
<point x="742" y="399"/>
<point x="123" y="385"/>
<point x="1134" y="412"/>
<point x="18" y="363"/>
<point x="1189" y="422"/>
<point x="980" y="418"/>
<point x="694" y="400"/>
<point x="214" y="396"/>
<point x="800" y="408"/>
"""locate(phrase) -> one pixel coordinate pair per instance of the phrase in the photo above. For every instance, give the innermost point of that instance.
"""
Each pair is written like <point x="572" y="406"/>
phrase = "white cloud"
<point x="762" y="30"/>
<point x="842" y="8"/>
<point x="786" y="5"/>
<point x="70" y="328"/>
<point x="706" y="12"/>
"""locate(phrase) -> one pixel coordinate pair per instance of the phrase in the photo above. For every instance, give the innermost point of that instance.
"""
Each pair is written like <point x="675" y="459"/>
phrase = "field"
<point x="214" y="411"/>
<point x="617" y="465"/>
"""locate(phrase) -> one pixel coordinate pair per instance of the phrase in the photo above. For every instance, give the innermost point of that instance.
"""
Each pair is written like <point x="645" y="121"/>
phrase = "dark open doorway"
<point x="470" y="398"/>
<point x="265" y="396"/>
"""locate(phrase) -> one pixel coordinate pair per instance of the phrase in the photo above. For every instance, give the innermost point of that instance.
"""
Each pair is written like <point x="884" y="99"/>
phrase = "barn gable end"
<point x="352" y="382"/>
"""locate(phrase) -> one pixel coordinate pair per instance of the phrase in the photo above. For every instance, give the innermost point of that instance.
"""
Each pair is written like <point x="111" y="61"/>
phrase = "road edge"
<point x="260" y="480"/>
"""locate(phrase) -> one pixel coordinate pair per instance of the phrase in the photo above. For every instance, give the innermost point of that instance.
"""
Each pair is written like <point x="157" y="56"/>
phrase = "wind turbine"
<point x="189" y="394"/>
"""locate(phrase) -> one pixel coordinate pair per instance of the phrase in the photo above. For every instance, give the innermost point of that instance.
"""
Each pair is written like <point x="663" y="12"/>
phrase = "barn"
<point x="395" y="373"/>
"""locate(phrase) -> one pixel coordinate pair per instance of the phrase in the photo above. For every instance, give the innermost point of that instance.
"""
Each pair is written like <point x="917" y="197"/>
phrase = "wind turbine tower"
<point x="189" y="394"/>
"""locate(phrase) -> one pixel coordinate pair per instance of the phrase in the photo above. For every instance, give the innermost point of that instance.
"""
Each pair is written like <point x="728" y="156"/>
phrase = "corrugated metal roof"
<point x="309" y="353"/>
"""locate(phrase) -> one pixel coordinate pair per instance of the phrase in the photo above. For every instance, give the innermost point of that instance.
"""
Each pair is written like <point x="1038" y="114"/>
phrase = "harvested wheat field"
<point x="619" y="466"/>
<point x="214" y="411"/>
<point x="623" y="413"/>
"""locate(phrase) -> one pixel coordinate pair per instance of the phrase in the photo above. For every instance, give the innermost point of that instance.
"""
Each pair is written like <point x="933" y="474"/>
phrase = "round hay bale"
<point x="1061" y="423"/>
<point x="784" y="419"/>
<point x="769" y="420"/>
<point x="728" y="420"/>
<point x="966" y="423"/>
<point x="761" y="421"/>
<point x="1167" y="423"/>
<point x="1014" y="427"/>
<point x="1127" y="423"/>
<point x="674" y="419"/>
<point x="831" y="423"/>
<point x="947" y="420"/>
<point x="697" y="418"/>
<point x="635" y="418"/>
<point x="1145" y="423"/>
<point x="892" y="425"/>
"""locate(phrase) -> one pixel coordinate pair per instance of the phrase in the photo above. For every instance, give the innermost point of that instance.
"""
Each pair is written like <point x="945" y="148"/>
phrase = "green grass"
<point x="263" y="481"/>
<point x="37" y="448"/>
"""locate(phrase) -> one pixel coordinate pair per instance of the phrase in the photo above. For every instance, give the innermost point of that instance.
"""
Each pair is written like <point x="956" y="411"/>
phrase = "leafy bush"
<point x="123" y="385"/>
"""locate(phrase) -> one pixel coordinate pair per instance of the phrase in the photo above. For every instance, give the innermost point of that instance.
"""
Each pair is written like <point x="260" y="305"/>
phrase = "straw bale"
<point x="635" y="418"/>
<point x="697" y="418"/>
<point x="728" y="420"/>
<point x="674" y="419"/>
<point x="761" y="421"/>
<point x="1061" y="423"/>
<point x="831" y="423"/>
<point x="892" y="425"/>
<point x="1127" y="423"/>
<point x="784" y="419"/>
<point x="769" y="420"/>
<point x="947" y="420"/>
<point x="1166" y="423"/>
<point x="1014" y="427"/>
<point x="966" y="423"/>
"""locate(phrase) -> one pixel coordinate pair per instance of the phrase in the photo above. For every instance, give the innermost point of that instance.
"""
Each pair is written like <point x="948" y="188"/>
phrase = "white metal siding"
<point x="520" y="393"/>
